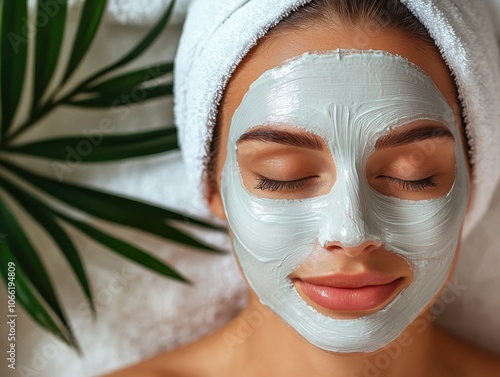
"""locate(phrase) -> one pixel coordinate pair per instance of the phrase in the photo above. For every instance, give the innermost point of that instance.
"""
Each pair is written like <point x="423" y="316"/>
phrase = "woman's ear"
<point x="215" y="204"/>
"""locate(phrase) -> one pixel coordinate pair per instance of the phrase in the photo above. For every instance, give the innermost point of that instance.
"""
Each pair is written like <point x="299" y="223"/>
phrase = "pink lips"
<point x="349" y="292"/>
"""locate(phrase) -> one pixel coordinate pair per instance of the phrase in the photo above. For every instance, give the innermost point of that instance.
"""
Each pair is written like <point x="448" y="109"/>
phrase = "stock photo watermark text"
<point x="11" y="315"/>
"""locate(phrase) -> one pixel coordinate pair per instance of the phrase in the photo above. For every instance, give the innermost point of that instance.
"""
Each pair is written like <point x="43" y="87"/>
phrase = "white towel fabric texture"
<point x="217" y="34"/>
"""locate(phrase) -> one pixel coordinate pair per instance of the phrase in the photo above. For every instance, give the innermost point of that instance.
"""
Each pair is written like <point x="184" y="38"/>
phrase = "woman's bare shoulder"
<point x="467" y="359"/>
<point x="167" y="364"/>
<point x="201" y="358"/>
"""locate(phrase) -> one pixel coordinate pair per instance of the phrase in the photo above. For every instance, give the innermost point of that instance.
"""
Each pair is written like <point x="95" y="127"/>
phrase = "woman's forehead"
<point x="363" y="91"/>
<point x="345" y="77"/>
<point x="278" y="49"/>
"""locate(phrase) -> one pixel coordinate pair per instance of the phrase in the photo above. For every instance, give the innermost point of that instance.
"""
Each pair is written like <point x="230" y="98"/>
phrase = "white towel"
<point x="217" y="34"/>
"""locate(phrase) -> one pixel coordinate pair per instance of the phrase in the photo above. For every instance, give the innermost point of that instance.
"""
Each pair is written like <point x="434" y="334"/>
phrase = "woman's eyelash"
<point x="419" y="185"/>
<point x="272" y="185"/>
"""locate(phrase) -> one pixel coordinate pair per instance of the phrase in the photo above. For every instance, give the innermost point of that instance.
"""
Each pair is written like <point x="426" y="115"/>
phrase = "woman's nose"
<point x="353" y="251"/>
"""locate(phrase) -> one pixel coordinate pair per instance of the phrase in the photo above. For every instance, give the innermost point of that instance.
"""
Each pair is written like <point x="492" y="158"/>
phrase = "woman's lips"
<point x="350" y="292"/>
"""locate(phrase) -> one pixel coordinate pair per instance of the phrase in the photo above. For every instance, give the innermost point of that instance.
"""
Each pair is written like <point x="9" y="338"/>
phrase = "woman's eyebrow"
<point x="412" y="136"/>
<point x="301" y="139"/>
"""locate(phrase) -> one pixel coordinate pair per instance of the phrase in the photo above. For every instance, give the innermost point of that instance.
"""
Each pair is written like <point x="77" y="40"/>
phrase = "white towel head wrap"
<point x="217" y="34"/>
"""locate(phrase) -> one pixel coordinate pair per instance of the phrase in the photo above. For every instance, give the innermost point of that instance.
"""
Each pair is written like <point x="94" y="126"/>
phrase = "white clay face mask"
<point x="350" y="99"/>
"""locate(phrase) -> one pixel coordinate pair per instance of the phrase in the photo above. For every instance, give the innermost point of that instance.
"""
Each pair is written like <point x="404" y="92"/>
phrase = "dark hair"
<point x="382" y="14"/>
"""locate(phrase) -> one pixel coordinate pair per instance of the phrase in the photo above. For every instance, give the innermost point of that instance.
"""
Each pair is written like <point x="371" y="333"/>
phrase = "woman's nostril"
<point x="353" y="251"/>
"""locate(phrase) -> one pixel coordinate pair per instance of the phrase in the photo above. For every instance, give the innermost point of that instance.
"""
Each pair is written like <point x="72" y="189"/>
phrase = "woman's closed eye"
<point x="413" y="185"/>
<point x="275" y="185"/>
<point x="276" y="171"/>
<point x="408" y="185"/>
<point x="420" y="170"/>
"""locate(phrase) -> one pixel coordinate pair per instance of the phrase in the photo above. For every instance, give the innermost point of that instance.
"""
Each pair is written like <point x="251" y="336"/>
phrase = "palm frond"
<point x="49" y="38"/>
<point x="104" y="147"/>
<point x="90" y="19"/>
<point x="29" y="262"/>
<point x="14" y="52"/>
<point x="102" y="89"/>
<point x="18" y="284"/>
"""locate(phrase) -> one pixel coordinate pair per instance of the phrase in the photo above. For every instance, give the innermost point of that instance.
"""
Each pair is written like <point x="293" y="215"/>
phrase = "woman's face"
<point x="341" y="271"/>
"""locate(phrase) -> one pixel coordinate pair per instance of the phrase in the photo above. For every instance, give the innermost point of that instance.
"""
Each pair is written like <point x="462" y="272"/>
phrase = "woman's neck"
<point x="262" y="341"/>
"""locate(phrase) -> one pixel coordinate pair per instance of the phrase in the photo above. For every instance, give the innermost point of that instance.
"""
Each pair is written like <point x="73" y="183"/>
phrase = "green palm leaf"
<point x="89" y="22"/>
<point x="24" y="294"/>
<point x="90" y="19"/>
<point x="14" y="49"/>
<point x="45" y="217"/>
<point x="105" y="147"/>
<point x="139" y="48"/>
<point x="130" y="80"/>
<point x="126" y="250"/>
<point x="34" y="288"/>
<point x="114" y="208"/>
<point x="49" y="37"/>
<point x="29" y="262"/>
<point x="133" y="95"/>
